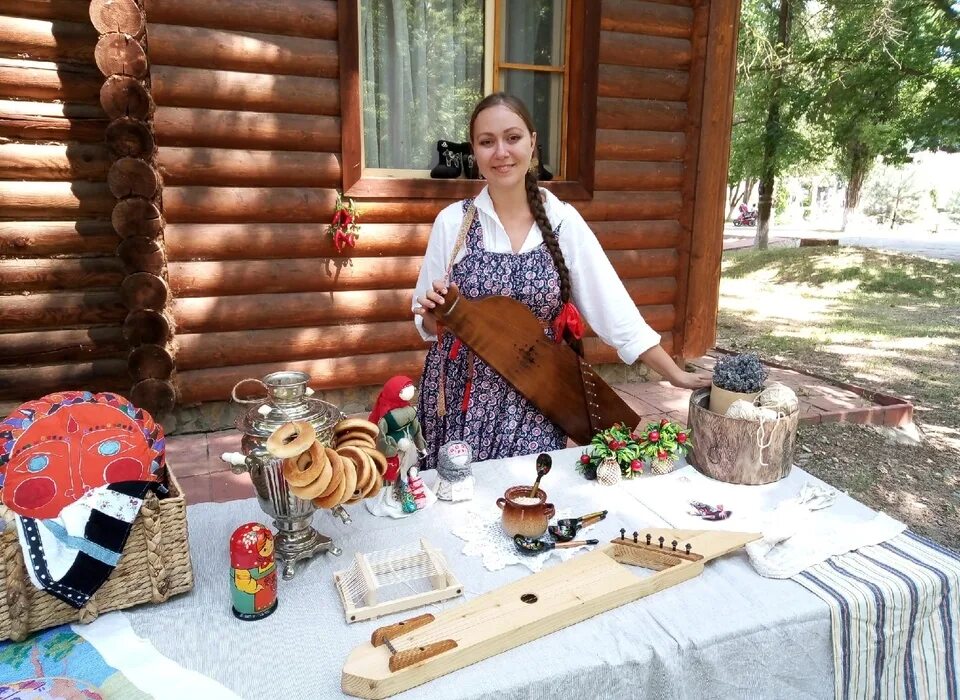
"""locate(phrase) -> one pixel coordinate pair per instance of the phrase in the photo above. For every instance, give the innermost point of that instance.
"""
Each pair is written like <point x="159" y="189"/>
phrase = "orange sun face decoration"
<point x="56" y="449"/>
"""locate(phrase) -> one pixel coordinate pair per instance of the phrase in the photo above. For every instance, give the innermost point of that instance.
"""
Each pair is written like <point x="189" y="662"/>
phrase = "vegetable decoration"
<point x="345" y="227"/>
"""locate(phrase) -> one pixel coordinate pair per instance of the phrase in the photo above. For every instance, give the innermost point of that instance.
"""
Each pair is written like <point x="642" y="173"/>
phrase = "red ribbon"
<point x="567" y="320"/>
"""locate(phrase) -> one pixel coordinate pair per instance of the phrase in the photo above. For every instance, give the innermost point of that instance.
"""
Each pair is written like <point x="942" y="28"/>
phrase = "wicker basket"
<point x="154" y="566"/>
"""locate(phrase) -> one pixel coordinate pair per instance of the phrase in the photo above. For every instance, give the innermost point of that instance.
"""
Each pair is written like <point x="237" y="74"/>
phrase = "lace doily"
<point x="484" y="537"/>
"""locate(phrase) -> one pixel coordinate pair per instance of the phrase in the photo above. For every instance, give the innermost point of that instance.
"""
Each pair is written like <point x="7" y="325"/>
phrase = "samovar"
<point x="288" y="399"/>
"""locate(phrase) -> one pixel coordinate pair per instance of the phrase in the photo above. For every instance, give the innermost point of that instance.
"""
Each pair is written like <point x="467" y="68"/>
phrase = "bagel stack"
<point x="329" y="477"/>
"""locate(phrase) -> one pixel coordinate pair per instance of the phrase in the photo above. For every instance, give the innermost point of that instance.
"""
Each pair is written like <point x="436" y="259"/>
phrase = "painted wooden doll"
<point x="254" y="572"/>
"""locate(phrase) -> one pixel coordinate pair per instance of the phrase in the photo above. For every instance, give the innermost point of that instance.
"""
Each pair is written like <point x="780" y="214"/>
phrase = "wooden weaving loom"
<point x="407" y="654"/>
<point x="507" y="336"/>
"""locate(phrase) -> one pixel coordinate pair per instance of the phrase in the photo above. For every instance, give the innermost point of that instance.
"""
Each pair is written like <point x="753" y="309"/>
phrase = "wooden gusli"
<point x="507" y="336"/>
<point x="410" y="653"/>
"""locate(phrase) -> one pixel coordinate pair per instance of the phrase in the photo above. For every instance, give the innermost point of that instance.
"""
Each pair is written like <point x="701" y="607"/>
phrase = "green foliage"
<point x="892" y="197"/>
<point x="663" y="440"/>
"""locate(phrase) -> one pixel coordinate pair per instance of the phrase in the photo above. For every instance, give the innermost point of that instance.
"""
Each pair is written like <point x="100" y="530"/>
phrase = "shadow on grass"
<point x="874" y="272"/>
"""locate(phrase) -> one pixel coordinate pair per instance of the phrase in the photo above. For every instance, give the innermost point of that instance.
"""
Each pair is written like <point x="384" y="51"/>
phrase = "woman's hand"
<point x="657" y="359"/>
<point x="691" y="380"/>
<point x="431" y="300"/>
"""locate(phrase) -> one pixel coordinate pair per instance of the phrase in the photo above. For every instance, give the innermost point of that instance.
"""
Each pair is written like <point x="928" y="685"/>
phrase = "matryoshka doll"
<point x="254" y="573"/>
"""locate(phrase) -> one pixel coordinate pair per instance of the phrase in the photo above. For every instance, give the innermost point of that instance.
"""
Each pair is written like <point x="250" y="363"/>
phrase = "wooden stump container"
<point x="726" y="449"/>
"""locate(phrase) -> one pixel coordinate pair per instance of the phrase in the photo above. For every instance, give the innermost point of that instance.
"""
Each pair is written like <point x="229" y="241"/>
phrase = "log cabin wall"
<point x="248" y="133"/>
<point x="61" y="309"/>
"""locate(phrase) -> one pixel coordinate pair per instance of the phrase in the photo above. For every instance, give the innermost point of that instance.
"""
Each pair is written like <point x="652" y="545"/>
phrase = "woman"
<point x="521" y="242"/>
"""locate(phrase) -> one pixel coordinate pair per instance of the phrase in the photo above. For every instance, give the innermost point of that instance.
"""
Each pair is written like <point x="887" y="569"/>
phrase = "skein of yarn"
<point x="780" y="398"/>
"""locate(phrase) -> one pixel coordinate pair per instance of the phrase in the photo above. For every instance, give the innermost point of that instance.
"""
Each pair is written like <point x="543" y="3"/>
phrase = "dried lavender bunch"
<point x="743" y="373"/>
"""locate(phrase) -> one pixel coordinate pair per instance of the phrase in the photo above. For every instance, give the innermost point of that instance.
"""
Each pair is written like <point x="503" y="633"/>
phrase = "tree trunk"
<point x="772" y="130"/>
<point x="735" y="194"/>
<point x="859" y="168"/>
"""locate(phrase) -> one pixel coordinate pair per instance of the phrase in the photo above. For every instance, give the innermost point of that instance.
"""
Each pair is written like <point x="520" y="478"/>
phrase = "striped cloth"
<point x="895" y="612"/>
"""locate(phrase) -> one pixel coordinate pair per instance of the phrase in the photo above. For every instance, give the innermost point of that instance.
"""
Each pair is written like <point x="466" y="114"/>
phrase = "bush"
<point x="743" y="373"/>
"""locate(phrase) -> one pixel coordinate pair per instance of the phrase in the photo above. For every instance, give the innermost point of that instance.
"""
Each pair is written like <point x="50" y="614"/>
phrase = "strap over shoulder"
<point x="468" y="214"/>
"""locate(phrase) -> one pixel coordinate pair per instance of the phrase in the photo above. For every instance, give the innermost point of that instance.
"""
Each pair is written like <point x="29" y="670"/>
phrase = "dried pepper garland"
<point x="345" y="227"/>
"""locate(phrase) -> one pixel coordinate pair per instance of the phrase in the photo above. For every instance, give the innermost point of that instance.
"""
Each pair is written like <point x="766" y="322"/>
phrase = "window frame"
<point x="581" y="131"/>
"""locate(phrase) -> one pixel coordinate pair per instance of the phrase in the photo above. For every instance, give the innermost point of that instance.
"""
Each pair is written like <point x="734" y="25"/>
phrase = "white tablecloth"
<point x="727" y="634"/>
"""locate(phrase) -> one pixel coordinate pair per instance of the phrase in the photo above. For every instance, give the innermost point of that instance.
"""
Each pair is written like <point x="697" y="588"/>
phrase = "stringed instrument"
<point x="506" y="335"/>
<point x="407" y="654"/>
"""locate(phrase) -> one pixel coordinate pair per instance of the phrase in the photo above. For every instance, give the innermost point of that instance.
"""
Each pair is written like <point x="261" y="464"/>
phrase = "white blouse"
<point x="596" y="289"/>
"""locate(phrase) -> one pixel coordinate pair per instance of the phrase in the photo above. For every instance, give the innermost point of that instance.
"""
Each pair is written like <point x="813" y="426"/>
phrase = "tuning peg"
<point x="635" y="535"/>
<point x="623" y="533"/>
<point x="648" y="538"/>
<point x="660" y="540"/>
<point x="687" y="547"/>
<point x="674" y="543"/>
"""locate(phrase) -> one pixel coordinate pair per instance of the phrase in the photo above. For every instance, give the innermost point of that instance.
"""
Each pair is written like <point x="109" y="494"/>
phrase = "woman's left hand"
<point x="691" y="380"/>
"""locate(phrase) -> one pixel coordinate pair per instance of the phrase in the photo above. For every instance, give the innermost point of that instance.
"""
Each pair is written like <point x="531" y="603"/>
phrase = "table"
<point x="727" y="633"/>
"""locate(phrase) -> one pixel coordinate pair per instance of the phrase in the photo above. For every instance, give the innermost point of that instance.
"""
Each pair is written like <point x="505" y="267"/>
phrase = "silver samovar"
<point x="288" y="399"/>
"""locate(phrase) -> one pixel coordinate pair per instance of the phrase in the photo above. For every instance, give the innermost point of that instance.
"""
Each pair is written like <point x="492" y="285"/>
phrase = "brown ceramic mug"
<point x="523" y="514"/>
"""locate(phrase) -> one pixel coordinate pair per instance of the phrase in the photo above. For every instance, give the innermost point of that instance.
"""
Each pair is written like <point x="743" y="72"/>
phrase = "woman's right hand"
<point x="431" y="300"/>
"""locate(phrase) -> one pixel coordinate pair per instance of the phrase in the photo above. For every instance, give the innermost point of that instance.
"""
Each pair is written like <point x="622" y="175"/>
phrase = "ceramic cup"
<point x="523" y="514"/>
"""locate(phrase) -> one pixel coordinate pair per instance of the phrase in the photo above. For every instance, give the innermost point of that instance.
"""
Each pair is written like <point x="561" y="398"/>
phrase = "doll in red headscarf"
<point x="254" y="571"/>
<point x="401" y="441"/>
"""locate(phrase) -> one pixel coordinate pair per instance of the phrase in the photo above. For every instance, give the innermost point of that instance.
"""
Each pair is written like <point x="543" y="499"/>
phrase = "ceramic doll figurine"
<point x="254" y="572"/>
<point x="455" y="475"/>
<point x="401" y="441"/>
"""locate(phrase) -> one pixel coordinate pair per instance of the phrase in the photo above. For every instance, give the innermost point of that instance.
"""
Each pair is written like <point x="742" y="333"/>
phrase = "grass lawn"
<point x="884" y="321"/>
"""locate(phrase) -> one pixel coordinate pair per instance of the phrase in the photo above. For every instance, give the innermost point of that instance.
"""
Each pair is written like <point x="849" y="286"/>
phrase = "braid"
<point x="553" y="246"/>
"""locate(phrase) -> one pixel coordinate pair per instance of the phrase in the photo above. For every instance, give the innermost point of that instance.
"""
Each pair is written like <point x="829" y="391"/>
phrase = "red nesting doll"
<point x="254" y="572"/>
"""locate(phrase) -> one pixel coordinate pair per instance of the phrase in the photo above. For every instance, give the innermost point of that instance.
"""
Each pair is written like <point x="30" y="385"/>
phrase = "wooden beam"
<point x="54" y="200"/>
<point x="121" y="54"/>
<point x="652" y="18"/>
<point x="178" y="126"/>
<point x="51" y="121"/>
<point x="19" y="275"/>
<point x="616" y="206"/>
<point x="355" y="371"/>
<point x="647" y="115"/>
<point x="79" y="345"/>
<point x="124" y="16"/>
<point x="637" y="235"/>
<point x="42" y="40"/>
<point x="75" y="161"/>
<point x="619" y="48"/>
<point x="88" y="237"/>
<point x="43" y="80"/>
<point x="638" y="175"/>
<point x="198" y="47"/>
<point x="239" y="168"/>
<point x="613" y="144"/>
<point x="66" y="10"/>
<point x="251" y="311"/>
<point x="174" y="86"/>
<point x="706" y="246"/>
<point x="31" y="381"/>
<point x="316" y="19"/>
<point x="644" y="263"/>
<point x="61" y="310"/>
<point x="642" y="83"/>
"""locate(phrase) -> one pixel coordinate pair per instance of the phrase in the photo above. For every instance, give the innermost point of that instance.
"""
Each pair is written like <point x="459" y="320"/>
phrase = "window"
<point x="412" y="70"/>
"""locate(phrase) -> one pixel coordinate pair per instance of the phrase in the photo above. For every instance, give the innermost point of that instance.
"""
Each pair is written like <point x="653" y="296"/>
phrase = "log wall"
<point x="214" y="144"/>
<point x="61" y="308"/>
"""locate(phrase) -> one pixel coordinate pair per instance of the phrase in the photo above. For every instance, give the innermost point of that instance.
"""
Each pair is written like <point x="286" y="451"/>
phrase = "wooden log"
<point x="133" y="177"/>
<point x="173" y="86"/>
<point x="250" y="311"/>
<point x="177" y="126"/>
<point x="66" y="10"/>
<point x="130" y="137"/>
<point x="285" y="205"/>
<point x="333" y="373"/>
<point x="156" y="396"/>
<point x="29" y="382"/>
<point x="41" y="40"/>
<point x="147" y="326"/>
<point x="263" y="241"/>
<point x="646" y="18"/>
<point x="143" y="290"/>
<point x="619" y="48"/>
<point x="616" y="206"/>
<point x="644" y="263"/>
<point x="136" y="216"/>
<point x="150" y="361"/>
<point x="61" y="310"/>
<point x="647" y="115"/>
<point x="48" y="121"/>
<point x="77" y="345"/>
<point x="75" y="161"/>
<point x="117" y="16"/>
<point x="229" y="167"/>
<point x="141" y="254"/>
<point x="198" y="47"/>
<point x="227" y="278"/>
<point x="613" y="144"/>
<point x="121" y="54"/>
<point x="45" y="274"/>
<point x="652" y="291"/>
<point x="638" y="235"/>
<point x="596" y="352"/>
<point x="43" y="80"/>
<point x="638" y="175"/>
<point x="89" y="237"/>
<point x="308" y="18"/>
<point x="54" y="200"/>
<point x="123" y="96"/>
<point x="204" y="350"/>
<point x="642" y="83"/>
